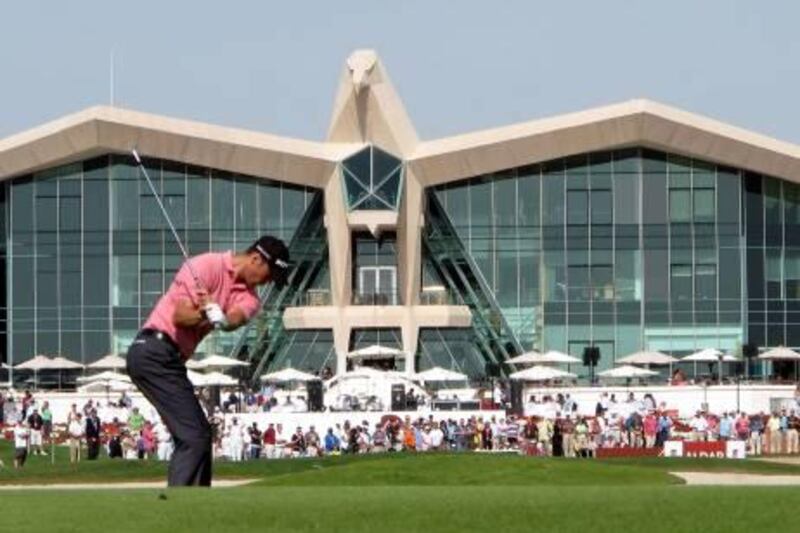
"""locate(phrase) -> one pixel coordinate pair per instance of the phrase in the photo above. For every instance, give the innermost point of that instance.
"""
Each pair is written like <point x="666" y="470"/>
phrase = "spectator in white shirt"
<point x="75" y="431"/>
<point x="699" y="427"/>
<point x="21" y="436"/>
<point x="436" y="437"/>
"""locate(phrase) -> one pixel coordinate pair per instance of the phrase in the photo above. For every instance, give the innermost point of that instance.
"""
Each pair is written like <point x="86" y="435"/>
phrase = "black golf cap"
<point x="275" y="252"/>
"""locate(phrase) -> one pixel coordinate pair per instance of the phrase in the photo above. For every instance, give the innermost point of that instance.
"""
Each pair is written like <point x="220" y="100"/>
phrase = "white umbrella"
<point x="627" y="371"/>
<point x="107" y="386"/>
<point x="780" y="354"/>
<point x="195" y="377"/>
<point x="710" y="355"/>
<point x="4" y="366"/>
<point x="647" y="358"/>
<point x="62" y="363"/>
<point x="218" y="379"/>
<point x="527" y="358"/>
<point x="438" y="373"/>
<point x="38" y="362"/>
<point x="288" y="374"/>
<point x="375" y="351"/>
<point x="104" y="376"/>
<point x="551" y="356"/>
<point x="217" y="362"/>
<point x="111" y="361"/>
<point x="541" y="373"/>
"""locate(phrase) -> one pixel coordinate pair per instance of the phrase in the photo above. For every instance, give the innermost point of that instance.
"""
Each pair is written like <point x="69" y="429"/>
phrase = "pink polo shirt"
<point x="216" y="273"/>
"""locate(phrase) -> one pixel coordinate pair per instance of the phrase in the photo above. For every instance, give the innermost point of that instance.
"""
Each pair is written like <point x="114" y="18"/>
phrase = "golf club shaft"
<point x="168" y="219"/>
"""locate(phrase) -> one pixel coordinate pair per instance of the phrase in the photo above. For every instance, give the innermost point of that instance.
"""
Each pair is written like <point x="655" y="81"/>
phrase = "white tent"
<point x="527" y="358"/>
<point x="710" y="355"/>
<point x="375" y="351"/>
<point x="219" y="362"/>
<point x="104" y="376"/>
<point x="195" y="377"/>
<point x="38" y="362"/>
<point x="62" y="363"/>
<point x="111" y="361"/>
<point x="551" y="356"/>
<point x="626" y="372"/>
<point x="107" y="386"/>
<point x="541" y="373"/>
<point x="780" y="354"/>
<point x="438" y="373"/>
<point x="4" y="366"/>
<point x="218" y="379"/>
<point x="287" y="375"/>
<point x="647" y="358"/>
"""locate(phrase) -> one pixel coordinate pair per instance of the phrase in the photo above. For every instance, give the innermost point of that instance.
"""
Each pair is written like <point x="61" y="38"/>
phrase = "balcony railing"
<point x="316" y="298"/>
<point x="376" y="298"/>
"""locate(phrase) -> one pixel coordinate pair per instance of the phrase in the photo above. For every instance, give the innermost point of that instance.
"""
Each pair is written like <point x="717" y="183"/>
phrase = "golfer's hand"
<point x="215" y="315"/>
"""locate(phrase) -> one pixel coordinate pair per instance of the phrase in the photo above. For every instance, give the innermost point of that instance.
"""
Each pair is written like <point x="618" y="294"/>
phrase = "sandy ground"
<point x="218" y="484"/>
<point x="710" y="478"/>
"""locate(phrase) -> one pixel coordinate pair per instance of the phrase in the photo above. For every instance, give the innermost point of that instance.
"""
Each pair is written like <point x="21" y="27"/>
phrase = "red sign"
<point x="605" y="453"/>
<point x="704" y="449"/>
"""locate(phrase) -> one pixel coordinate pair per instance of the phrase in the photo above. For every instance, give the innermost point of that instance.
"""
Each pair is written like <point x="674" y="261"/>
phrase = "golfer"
<point x="217" y="290"/>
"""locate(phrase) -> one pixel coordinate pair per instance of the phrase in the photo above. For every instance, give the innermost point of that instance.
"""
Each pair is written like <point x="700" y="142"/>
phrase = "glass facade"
<point x="635" y="249"/>
<point x="87" y="251"/>
<point x="373" y="179"/>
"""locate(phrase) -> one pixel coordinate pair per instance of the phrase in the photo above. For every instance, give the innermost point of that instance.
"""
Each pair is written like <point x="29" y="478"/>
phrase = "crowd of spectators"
<point x="120" y="430"/>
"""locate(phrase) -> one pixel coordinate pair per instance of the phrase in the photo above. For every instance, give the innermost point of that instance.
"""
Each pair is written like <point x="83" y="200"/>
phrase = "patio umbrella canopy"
<point x="375" y="351"/>
<point x="438" y="373"/>
<point x="287" y="375"/>
<point x="38" y="362"/>
<point x="104" y="376"/>
<point x="62" y="363"/>
<point x="218" y="379"/>
<point x="780" y="354"/>
<point x="710" y="355"/>
<point x="527" y="358"/>
<point x="647" y="358"/>
<point x="111" y="362"/>
<point x="627" y="372"/>
<point x="219" y="362"/>
<point x="541" y="373"/>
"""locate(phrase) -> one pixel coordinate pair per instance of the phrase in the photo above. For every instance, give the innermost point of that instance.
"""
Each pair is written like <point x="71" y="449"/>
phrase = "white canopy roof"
<point x="780" y="354"/>
<point x="627" y="371"/>
<point x="62" y="363"/>
<point x="541" y="373"/>
<point x="4" y="366"/>
<point x="375" y="351"/>
<point x="38" y="362"/>
<point x="438" y="373"/>
<point x="551" y="356"/>
<point x="710" y="355"/>
<point x="288" y="374"/>
<point x="107" y="386"/>
<point x="216" y="361"/>
<point x="217" y="379"/>
<point x="111" y="361"/>
<point x="104" y="376"/>
<point x="647" y="358"/>
<point x="527" y="358"/>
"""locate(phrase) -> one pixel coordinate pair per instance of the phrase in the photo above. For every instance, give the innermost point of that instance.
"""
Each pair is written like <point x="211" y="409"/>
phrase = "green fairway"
<point x="436" y="492"/>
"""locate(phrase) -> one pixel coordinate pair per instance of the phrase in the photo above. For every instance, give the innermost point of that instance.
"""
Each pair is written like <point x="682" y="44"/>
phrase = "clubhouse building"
<point x="626" y="227"/>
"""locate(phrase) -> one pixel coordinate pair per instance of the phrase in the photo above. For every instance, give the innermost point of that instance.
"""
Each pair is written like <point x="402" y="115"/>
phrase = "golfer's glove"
<point x="215" y="315"/>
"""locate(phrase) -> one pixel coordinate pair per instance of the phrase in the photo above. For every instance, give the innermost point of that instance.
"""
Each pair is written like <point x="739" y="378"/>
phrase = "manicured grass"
<point x="406" y="492"/>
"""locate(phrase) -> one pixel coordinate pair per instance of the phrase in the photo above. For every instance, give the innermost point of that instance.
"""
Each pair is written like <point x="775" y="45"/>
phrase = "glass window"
<point x="577" y="207"/>
<point x="704" y="207"/>
<point x="680" y="205"/>
<point x="601" y="206"/>
<point x="706" y="282"/>
<point x="681" y="282"/>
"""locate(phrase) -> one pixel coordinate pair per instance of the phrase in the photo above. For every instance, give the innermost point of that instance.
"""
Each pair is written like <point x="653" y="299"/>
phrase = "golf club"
<point x="198" y="282"/>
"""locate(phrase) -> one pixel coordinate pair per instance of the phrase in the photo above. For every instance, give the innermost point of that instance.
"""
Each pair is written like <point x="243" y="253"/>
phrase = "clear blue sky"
<point x="458" y="66"/>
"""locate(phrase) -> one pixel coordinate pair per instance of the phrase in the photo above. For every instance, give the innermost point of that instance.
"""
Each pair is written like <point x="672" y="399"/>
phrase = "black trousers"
<point x="155" y="367"/>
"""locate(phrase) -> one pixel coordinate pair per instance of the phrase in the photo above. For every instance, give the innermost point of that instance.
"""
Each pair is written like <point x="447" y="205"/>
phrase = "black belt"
<point x="160" y="335"/>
